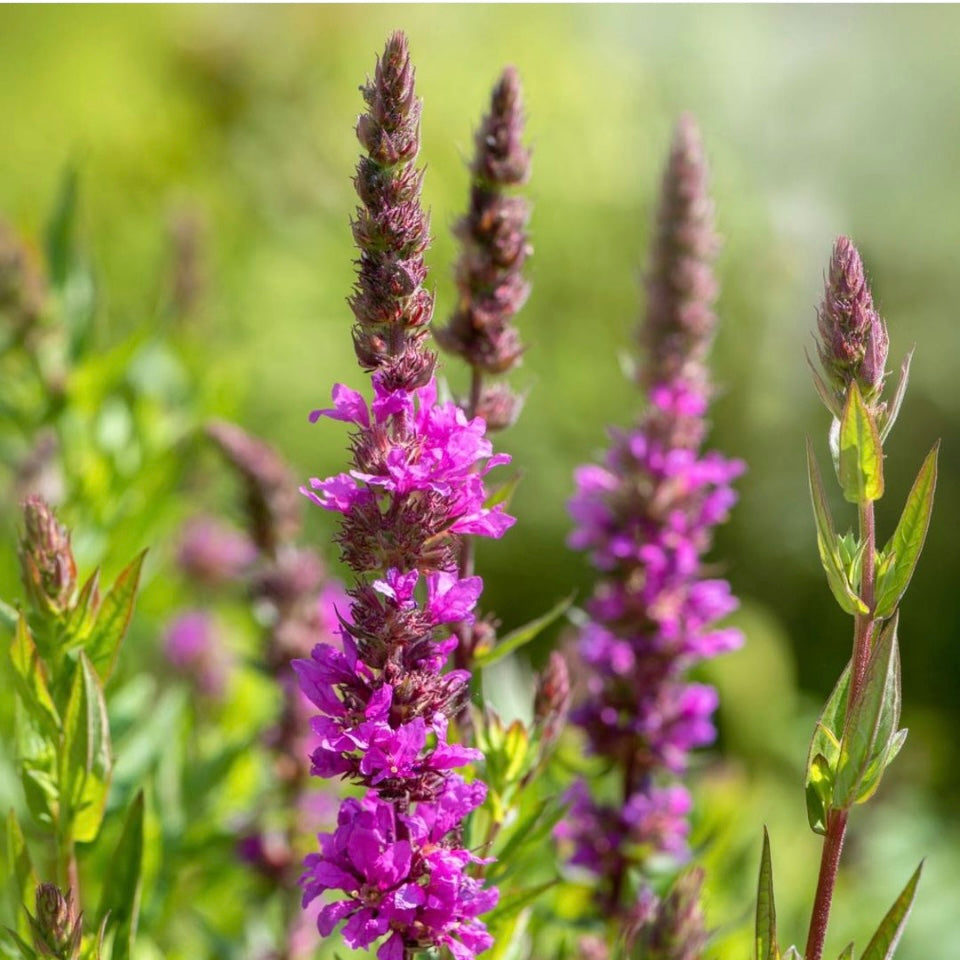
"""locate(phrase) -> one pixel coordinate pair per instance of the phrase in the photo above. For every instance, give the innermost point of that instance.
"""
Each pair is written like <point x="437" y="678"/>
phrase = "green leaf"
<point x="861" y="453"/>
<point x="108" y="632"/>
<point x="81" y="618"/>
<point x="527" y="836"/>
<point x="907" y="541"/>
<point x="828" y="543"/>
<point x="86" y="760"/>
<point x="30" y="679"/>
<point x="872" y="724"/>
<point x="8" y="615"/>
<point x="766" y="928"/>
<point x="824" y="753"/>
<point x="819" y="791"/>
<point x="121" y="887"/>
<point x="23" y="877"/>
<point x="827" y="396"/>
<point x="60" y="229"/>
<point x="888" y="934"/>
<point x="26" y="951"/>
<point x="504" y="493"/>
<point x="523" y="635"/>
<point x="516" y="901"/>
<point x="847" y="953"/>
<point x="893" y="410"/>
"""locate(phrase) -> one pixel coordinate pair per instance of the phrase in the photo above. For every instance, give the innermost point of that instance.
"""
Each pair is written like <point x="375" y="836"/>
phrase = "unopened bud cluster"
<point x="46" y="558"/>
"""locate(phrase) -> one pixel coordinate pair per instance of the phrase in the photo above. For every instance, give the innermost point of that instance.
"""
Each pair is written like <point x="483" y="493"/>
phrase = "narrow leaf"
<point x="888" y="934"/>
<point x="504" y="493"/>
<point x="872" y="723"/>
<point x="86" y="759"/>
<point x="827" y="396"/>
<point x="847" y="952"/>
<point x="30" y="679"/>
<point x="893" y="411"/>
<point x="23" y="876"/>
<point x="8" y="615"/>
<point x="515" y="902"/>
<point x="523" y="635"/>
<point x="766" y="929"/>
<point x="121" y="888"/>
<point x="861" y="453"/>
<point x="113" y="619"/>
<point x="908" y="538"/>
<point x="828" y="542"/>
<point x="26" y="951"/>
<point x="60" y="230"/>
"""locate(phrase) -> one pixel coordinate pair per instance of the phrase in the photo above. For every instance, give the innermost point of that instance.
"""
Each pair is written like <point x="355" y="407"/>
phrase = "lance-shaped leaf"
<point x="82" y="616"/>
<point x="85" y="761"/>
<point x="30" y="679"/>
<point x="847" y="953"/>
<point x="828" y="543"/>
<point x="108" y="632"/>
<point x="824" y="753"/>
<point x="861" y="453"/>
<point x="522" y="635"/>
<point x="26" y="952"/>
<point x="766" y="928"/>
<point x="871" y="729"/>
<point x="121" y="888"/>
<point x="23" y="876"/>
<point x="893" y="410"/>
<point x="885" y="940"/>
<point x="903" y="549"/>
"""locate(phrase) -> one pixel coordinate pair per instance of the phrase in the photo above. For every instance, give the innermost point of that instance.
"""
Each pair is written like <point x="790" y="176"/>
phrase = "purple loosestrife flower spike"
<point x="414" y="491"/>
<point x="495" y="247"/>
<point x="646" y="517"/>
<point x="46" y="558"/>
<point x="392" y="307"/>
<point x="853" y="342"/>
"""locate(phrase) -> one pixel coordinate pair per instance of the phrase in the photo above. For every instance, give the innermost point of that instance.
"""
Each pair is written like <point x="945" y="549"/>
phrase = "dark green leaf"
<point x="766" y="928"/>
<point x="121" y="887"/>
<point x="872" y="724"/>
<point x="893" y="409"/>
<point x="86" y="760"/>
<point x="523" y="635"/>
<point x="885" y="940"/>
<point x="828" y="543"/>
<point x="819" y="792"/>
<point x="907" y="540"/>
<point x="113" y="619"/>
<point x="30" y="679"/>
<point x="861" y="454"/>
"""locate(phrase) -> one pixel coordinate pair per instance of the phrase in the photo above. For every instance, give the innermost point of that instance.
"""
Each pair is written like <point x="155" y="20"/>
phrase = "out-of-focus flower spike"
<point x="46" y="559"/>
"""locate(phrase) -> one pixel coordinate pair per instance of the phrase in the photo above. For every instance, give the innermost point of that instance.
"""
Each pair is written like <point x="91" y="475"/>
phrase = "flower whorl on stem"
<point x="414" y="491"/>
<point x="646" y="517"/>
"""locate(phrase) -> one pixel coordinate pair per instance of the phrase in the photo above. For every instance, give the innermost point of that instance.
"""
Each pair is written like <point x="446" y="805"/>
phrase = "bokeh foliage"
<point x="817" y="121"/>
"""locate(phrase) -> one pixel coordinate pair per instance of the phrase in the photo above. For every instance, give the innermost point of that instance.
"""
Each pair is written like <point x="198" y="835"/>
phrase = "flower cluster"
<point x="646" y="517"/>
<point x="415" y="490"/>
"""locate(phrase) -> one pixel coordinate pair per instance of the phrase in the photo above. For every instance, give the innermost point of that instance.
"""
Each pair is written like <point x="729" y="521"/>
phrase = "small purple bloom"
<point x="194" y="647"/>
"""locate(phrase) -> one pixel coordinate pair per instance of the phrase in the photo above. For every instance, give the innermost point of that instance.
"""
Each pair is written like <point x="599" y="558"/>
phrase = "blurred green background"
<point x="818" y="120"/>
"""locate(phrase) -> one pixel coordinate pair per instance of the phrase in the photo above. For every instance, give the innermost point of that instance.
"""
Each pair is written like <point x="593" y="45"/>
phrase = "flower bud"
<point x="552" y="701"/>
<point x="853" y="342"/>
<point x="57" y="929"/>
<point x="46" y="560"/>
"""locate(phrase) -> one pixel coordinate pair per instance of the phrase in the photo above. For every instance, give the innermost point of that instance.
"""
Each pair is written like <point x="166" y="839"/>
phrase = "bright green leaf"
<point x="108" y="632"/>
<point x="872" y="723"/>
<point x="828" y="543"/>
<point x="8" y="615"/>
<point x="86" y="760"/>
<point x="26" y="951"/>
<point x="885" y="940"/>
<point x="121" y="887"/>
<point x="893" y="410"/>
<point x="504" y="493"/>
<point x="766" y="928"/>
<point x="30" y="679"/>
<point x="516" y="901"/>
<point x="523" y="635"/>
<point x="23" y="876"/>
<point x="819" y="791"/>
<point x="908" y="538"/>
<point x="861" y="453"/>
<point x="847" y="952"/>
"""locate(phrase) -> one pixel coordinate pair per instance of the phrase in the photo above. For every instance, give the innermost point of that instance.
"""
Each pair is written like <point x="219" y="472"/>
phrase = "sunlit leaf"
<point x="861" y="453"/>
<point x="884" y="941"/>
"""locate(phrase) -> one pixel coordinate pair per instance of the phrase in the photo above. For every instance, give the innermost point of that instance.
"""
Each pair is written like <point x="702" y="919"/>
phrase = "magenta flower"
<point x="415" y="489"/>
<point x="213" y="553"/>
<point x="646" y="518"/>
<point x="195" y="648"/>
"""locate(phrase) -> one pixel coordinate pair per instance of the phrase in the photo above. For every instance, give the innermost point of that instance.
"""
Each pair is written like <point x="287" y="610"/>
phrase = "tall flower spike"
<point x="494" y="248"/>
<point x="415" y="490"/>
<point x="853" y="342"/>
<point x="647" y="518"/>
<point x="392" y="307"/>
<point x="46" y="558"/>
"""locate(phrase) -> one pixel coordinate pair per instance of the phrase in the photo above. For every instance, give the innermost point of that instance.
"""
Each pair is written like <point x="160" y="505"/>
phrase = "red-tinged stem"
<point x="837" y="819"/>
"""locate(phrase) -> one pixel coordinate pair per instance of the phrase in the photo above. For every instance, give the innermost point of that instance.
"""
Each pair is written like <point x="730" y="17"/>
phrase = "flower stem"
<point x="837" y="819"/>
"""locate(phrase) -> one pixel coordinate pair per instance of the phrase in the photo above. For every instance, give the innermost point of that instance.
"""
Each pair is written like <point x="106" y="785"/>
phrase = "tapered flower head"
<point x="57" y="927"/>
<point x="46" y="559"/>
<point x="853" y="342"/>
<point x="392" y="307"/>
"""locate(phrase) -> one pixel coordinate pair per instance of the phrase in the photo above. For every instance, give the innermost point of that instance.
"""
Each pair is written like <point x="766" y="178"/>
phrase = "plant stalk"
<point x="837" y="819"/>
